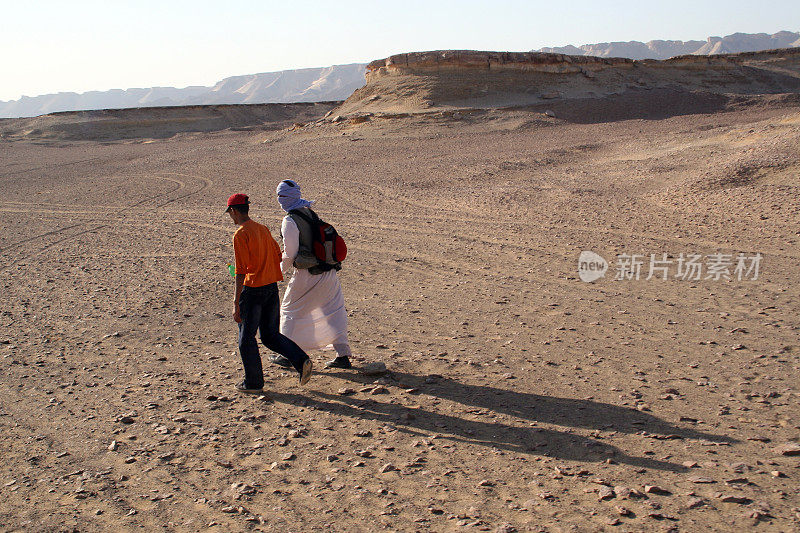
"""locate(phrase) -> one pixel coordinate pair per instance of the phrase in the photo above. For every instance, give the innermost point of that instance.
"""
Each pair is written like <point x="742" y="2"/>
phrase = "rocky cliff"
<point x="461" y="78"/>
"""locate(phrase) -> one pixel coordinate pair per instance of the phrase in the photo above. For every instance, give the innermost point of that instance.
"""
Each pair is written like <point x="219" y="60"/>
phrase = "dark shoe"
<point x="242" y="387"/>
<point x="280" y="361"/>
<point x="339" y="362"/>
<point x="305" y="374"/>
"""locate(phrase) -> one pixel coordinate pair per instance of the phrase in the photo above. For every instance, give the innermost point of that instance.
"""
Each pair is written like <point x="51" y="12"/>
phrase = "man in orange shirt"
<point x="255" y="306"/>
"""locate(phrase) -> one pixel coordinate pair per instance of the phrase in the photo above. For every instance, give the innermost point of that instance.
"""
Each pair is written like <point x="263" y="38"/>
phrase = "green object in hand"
<point x="232" y="270"/>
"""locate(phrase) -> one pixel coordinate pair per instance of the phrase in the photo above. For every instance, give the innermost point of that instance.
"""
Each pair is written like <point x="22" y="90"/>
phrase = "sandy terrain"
<point x="518" y="397"/>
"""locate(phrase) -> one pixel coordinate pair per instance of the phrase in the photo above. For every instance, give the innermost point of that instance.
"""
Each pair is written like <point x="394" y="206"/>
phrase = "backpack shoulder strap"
<point x="310" y="219"/>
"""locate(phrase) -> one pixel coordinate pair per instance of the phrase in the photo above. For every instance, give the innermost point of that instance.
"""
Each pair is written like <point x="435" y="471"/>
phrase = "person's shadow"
<point x="517" y="438"/>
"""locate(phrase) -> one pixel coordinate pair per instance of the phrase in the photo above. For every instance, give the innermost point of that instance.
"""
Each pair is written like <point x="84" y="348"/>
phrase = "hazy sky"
<point x="81" y="45"/>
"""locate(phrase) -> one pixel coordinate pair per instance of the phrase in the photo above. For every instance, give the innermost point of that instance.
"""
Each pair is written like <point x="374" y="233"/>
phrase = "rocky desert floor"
<point x="517" y="398"/>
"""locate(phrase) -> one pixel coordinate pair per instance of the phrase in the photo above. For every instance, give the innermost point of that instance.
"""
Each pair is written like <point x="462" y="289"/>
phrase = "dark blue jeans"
<point x="258" y="308"/>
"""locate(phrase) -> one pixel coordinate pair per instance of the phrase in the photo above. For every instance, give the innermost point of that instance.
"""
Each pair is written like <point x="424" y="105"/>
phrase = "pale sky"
<point x="80" y="45"/>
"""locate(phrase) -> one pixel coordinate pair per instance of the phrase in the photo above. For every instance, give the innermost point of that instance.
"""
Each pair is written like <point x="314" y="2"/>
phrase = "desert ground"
<point x="517" y="397"/>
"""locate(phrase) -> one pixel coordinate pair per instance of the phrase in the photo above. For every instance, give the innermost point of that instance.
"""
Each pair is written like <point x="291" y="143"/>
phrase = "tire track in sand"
<point x="181" y="185"/>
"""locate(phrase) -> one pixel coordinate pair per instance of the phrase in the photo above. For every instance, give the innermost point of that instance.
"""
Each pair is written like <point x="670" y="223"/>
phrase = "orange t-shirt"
<point x="257" y="255"/>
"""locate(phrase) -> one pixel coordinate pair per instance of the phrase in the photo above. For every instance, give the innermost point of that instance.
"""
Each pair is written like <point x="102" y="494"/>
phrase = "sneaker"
<point x="280" y="361"/>
<point x="339" y="362"/>
<point x="305" y="374"/>
<point x="242" y="387"/>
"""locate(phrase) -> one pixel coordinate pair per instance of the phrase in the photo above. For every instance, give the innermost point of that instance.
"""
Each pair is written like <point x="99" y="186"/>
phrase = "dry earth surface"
<point x="517" y="397"/>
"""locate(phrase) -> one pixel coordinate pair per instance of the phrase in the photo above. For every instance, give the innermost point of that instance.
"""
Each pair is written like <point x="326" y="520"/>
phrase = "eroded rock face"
<point x="469" y="59"/>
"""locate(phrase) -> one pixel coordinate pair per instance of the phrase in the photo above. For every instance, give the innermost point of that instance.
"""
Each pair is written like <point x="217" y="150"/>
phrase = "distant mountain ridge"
<point x="338" y="82"/>
<point x="304" y="85"/>
<point x="730" y="44"/>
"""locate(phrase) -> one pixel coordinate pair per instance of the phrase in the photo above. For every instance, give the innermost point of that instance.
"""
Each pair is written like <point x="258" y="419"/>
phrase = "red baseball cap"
<point x="237" y="199"/>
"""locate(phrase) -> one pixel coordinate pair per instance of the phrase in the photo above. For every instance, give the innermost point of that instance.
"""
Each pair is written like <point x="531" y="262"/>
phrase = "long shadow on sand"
<point x="524" y="440"/>
<point x="570" y="412"/>
<point x="516" y="438"/>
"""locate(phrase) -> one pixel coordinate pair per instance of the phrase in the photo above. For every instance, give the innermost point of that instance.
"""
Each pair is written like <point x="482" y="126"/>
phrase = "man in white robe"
<point x="313" y="314"/>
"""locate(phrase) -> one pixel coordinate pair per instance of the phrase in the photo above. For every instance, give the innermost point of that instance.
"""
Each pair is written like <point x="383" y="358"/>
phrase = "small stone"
<point x="332" y="457"/>
<point x="505" y="528"/>
<point x="737" y="481"/>
<point x="374" y="369"/>
<point x="690" y="464"/>
<point x="486" y="483"/>
<point x="790" y="449"/>
<point x="388" y="467"/>
<point x="655" y="489"/>
<point x="698" y="479"/>
<point x="113" y="446"/>
<point x="732" y="498"/>
<point x="379" y="390"/>
<point x="622" y="511"/>
<point x="777" y="473"/>
<point x="289" y="457"/>
<point x="606" y="493"/>
<point x="550" y="113"/>
<point x="346" y="391"/>
<point x="126" y="420"/>
<point x="129" y="460"/>
<point x="694" y="503"/>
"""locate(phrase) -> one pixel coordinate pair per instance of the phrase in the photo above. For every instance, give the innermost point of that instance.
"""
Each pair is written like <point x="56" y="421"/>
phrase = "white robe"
<point x="312" y="311"/>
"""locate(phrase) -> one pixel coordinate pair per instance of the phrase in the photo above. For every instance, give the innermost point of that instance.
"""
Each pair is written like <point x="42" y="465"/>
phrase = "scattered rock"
<point x="374" y="369"/>
<point x="695" y="502"/>
<point x="388" y="467"/>
<point x="790" y="449"/>
<point x="655" y="489"/>
<point x="606" y="493"/>
<point x="734" y="498"/>
<point x="698" y="479"/>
